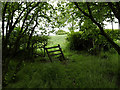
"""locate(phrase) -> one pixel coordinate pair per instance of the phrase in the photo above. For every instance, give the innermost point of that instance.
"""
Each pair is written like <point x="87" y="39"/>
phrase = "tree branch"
<point x="89" y="10"/>
<point x="3" y="18"/>
<point x="117" y="4"/>
<point x="111" y="5"/>
<point x="20" y="15"/>
<point x="21" y="34"/>
<point x="27" y="15"/>
<point x="28" y="44"/>
<point x="12" y="27"/>
<point x="81" y="9"/>
<point x="116" y="47"/>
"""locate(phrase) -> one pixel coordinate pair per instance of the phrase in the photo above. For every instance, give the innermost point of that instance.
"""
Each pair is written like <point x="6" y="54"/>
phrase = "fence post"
<point x="48" y="54"/>
<point x="61" y="51"/>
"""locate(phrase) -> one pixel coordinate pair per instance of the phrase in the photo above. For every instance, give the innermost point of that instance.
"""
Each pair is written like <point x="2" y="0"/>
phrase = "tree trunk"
<point x="115" y="46"/>
<point x="28" y="44"/>
<point x="3" y="19"/>
<point x="118" y="24"/>
<point x="112" y="25"/>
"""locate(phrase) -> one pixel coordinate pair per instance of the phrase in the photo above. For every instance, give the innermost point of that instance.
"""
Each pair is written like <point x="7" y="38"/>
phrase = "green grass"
<point x="80" y="71"/>
<point x="59" y="39"/>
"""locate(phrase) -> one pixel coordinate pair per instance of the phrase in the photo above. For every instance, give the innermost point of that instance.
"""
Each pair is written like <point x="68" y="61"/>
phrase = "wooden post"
<point x="45" y="44"/>
<point x="61" y="52"/>
<point x="48" y="54"/>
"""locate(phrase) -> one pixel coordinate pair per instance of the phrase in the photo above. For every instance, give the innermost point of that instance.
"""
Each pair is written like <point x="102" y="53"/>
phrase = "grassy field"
<point x="59" y="39"/>
<point x="80" y="70"/>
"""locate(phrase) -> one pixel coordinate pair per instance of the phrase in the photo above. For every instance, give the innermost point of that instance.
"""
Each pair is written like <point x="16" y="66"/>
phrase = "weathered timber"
<point x="55" y="54"/>
<point x="52" y="47"/>
<point x="61" y="52"/>
<point x="53" y="51"/>
<point x="49" y="55"/>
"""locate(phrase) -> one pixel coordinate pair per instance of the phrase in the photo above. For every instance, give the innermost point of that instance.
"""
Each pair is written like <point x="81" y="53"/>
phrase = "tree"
<point x="115" y="7"/>
<point x="96" y="12"/>
<point x="90" y="15"/>
<point x="0" y="11"/>
<point x="19" y="20"/>
<point x="27" y="13"/>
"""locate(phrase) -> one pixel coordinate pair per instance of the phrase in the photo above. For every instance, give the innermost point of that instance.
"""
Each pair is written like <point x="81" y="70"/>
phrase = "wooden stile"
<point x="49" y="55"/>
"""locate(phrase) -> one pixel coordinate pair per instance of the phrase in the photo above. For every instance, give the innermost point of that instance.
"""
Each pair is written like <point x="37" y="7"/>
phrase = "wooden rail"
<point x="49" y="52"/>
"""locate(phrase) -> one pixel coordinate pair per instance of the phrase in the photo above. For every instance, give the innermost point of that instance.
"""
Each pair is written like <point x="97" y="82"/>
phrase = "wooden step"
<point x="49" y="55"/>
<point x="55" y="54"/>
<point x="52" y="47"/>
<point x="53" y="51"/>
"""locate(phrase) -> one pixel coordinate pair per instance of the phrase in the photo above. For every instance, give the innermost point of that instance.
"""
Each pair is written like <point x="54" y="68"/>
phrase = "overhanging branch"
<point x="116" y="47"/>
<point x="81" y="9"/>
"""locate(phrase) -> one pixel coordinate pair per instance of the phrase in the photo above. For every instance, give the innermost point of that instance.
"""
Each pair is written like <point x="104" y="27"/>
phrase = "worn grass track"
<point x="81" y="70"/>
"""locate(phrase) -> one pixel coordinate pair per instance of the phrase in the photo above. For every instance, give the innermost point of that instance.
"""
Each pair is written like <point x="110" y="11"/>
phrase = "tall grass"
<point x="79" y="71"/>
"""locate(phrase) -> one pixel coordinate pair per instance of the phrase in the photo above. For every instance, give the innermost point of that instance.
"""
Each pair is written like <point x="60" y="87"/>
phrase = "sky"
<point x="109" y="25"/>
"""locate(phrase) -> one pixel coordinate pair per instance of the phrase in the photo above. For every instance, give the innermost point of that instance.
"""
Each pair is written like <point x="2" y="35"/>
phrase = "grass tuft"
<point x="80" y="71"/>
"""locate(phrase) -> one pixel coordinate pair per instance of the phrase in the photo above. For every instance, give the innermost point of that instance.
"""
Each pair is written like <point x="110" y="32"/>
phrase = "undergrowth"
<point x="81" y="70"/>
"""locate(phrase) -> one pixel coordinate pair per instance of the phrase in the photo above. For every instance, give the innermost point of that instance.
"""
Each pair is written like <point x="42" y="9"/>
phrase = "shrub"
<point x="76" y="42"/>
<point x="37" y="42"/>
<point x="61" y="32"/>
<point x="90" y="41"/>
<point x="26" y="46"/>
